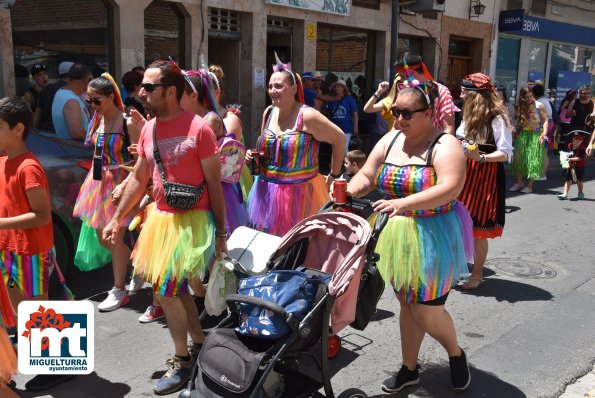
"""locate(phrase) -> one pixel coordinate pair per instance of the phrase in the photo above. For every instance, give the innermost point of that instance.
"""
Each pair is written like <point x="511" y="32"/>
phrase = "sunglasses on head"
<point x="584" y="93"/>
<point x="94" y="101"/>
<point x="406" y="113"/>
<point x="150" y="87"/>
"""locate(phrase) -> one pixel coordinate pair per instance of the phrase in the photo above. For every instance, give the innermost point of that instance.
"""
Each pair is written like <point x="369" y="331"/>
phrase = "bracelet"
<point x="222" y="234"/>
<point x="335" y="176"/>
<point x="482" y="158"/>
<point x="375" y="96"/>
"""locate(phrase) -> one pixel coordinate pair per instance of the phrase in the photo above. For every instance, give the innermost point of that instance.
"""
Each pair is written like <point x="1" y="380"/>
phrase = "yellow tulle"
<point x="179" y="245"/>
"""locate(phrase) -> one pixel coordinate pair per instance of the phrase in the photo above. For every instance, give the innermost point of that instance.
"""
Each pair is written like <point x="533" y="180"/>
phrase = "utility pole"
<point x="394" y="39"/>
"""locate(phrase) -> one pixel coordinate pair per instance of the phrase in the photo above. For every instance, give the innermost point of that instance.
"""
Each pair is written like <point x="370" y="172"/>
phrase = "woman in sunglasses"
<point x="288" y="187"/>
<point x="427" y="241"/>
<point x="110" y="133"/>
<point x="486" y="123"/>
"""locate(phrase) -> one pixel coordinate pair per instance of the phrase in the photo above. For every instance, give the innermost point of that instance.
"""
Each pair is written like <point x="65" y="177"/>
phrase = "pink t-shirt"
<point x="183" y="142"/>
<point x="443" y="106"/>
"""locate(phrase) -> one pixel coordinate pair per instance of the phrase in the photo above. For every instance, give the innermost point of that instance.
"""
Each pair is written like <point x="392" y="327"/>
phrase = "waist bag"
<point x="293" y="290"/>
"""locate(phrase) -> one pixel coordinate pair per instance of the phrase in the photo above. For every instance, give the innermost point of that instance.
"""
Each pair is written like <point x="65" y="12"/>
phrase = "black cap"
<point x="35" y="69"/>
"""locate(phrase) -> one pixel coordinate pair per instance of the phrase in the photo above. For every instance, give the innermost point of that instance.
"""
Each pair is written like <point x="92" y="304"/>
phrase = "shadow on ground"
<point x="92" y="385"/>
<point x="435" y="383"/>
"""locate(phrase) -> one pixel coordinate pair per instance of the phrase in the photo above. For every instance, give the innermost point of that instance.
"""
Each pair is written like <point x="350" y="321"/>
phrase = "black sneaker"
<point x="404" y="378"/>
<point x="459" y="371"/>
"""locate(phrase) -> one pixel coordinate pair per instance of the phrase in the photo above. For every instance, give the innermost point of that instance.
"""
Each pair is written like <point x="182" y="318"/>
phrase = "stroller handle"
<point x="232" y="299"/>
<point x="359" y="204"/>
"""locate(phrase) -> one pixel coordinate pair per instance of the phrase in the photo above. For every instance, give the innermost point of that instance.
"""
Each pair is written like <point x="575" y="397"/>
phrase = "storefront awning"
<point x="515" y="21"/>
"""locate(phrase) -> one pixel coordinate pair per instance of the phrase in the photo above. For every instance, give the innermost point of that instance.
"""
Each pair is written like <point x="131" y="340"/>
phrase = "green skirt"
<point x="528" y="155"/>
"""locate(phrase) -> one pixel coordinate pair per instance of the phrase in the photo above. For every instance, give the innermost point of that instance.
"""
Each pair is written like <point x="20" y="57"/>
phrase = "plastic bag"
<point x="222" y="281"/>
<point x="90" y="254"/>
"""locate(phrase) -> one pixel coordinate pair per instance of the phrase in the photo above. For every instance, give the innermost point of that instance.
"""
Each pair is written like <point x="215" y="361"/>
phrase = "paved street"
<point x="529" y="330"/>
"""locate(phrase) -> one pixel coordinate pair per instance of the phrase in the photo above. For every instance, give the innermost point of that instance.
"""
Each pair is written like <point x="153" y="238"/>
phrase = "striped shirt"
<point x="443" y="106"/>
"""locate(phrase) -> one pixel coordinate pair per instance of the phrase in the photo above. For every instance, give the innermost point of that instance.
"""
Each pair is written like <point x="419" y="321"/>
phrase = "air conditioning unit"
<point x="427" y="6"/>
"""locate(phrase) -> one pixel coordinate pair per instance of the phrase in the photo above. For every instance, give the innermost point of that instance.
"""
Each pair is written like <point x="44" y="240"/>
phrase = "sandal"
<point x="472" y="283"/>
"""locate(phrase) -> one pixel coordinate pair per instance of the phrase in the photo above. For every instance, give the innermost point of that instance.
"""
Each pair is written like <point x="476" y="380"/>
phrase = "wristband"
<point x="482" y="158"/>
<point x="335" y="176"/>
<point x="375" y="96"/>
<point x="222" y="234"/>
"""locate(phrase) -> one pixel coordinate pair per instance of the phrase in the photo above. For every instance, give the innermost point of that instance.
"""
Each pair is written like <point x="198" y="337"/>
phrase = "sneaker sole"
<point x="124" y="302"/>
<point x="177" y="388"/>
<point x="467" y="384"/>
<point x="151" y="320"/>
<point x="407" y="384"/>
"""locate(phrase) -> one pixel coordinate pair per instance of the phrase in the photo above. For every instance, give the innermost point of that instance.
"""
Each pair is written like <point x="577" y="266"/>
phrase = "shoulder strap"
<point x="156" y="154"/>
<point x="391" y="144"/>
<point x="267" y="116"/>
<point x="299" y="123"/>
<point x="431" y="149"/>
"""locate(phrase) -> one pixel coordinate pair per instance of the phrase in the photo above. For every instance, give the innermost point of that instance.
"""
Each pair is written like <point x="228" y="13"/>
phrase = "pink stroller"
<point x="339" y="248"/>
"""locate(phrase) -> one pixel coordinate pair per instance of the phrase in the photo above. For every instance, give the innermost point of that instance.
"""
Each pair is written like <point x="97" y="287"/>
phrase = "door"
<point x="458" y="68"/>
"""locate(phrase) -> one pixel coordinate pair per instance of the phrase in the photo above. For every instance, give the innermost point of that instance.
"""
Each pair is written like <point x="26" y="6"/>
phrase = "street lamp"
<point x="476" y="8"/>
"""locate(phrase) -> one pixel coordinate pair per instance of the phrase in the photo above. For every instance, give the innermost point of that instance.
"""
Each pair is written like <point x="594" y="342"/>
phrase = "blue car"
<point x="66" y="164"/>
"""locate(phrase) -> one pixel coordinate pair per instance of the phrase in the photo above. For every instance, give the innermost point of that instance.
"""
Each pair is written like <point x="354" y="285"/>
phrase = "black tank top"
<point x="581" y="112"/>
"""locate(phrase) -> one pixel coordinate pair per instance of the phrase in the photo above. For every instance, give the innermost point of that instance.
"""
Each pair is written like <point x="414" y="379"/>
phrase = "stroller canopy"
<point x="336" y="244"/>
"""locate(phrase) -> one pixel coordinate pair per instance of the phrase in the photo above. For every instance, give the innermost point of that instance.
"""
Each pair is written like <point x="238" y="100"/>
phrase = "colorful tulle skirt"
<point x="235" y="209"/>
<point x="94" y="203"/>
<point x="174" y="245"/>
<point x="8" y="358"/>
<point x="528" y="155"/>
<point x="275" y="208"/>
<point x="424" y="257"/>
<point x="246" y="181"/>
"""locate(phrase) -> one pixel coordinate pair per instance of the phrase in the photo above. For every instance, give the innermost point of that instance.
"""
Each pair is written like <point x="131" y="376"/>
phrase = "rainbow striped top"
<point x="116" y="144"/>
<point x="290" y="157"/>
<point x="401" y="181"/>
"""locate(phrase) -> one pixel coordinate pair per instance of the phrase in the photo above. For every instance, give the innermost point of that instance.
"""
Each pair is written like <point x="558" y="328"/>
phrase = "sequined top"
<point x="290" y="156"/>
<point x="401" y="181"/>
<point x="115" y="146"/>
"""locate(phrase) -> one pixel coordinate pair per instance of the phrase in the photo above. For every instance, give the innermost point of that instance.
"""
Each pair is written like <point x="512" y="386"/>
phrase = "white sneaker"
<point x="136" y="283"/>
<point x="542" y="178"/>
<point x="115" y="299"/>
<point x="152" y="313"/>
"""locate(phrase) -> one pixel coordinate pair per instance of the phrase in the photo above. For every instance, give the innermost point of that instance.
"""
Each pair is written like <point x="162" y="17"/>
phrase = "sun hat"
<point x="340" y="81"/>
<point x="317" y="75"/>
<point x="307" y="75"/>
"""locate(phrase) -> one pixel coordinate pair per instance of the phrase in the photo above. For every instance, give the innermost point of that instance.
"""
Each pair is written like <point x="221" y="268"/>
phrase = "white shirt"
<point x="546" y="105"/>
<point x="502" y="136"/>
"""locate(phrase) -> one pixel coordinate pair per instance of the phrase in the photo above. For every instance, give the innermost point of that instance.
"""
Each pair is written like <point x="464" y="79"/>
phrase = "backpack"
<point x="231" y="155"/>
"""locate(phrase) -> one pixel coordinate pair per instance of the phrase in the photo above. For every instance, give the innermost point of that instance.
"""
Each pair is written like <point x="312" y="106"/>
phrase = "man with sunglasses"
<point x="444" y="107"/>
<point x="175" y="244"/>
<point x="70" y="114"/>
<point x="581" y="107"/>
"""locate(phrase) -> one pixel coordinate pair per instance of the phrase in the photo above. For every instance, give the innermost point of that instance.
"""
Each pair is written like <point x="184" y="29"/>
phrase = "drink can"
<point x="255" y="165"/>
<point x="340" y="191"/>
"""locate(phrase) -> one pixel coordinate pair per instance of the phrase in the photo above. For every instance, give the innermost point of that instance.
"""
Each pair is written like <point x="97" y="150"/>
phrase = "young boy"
<point x="354" y="160"/>
<point x="576" y="170"/>
<point x="26" y="238"/>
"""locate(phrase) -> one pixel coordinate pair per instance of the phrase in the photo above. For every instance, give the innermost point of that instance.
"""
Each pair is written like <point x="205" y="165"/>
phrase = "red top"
<point x="183" y="142"/>
<point x="18" y="175"/>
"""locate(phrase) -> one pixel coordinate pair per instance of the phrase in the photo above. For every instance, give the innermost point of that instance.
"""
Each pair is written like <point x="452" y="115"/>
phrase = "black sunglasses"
<point x="94" y="101"/>
<point x="407" y="114"/>
<point x="150" y="87"/>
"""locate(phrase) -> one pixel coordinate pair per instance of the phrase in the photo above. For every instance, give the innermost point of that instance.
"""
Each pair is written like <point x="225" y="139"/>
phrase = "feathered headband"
<point x="414" y="83"/>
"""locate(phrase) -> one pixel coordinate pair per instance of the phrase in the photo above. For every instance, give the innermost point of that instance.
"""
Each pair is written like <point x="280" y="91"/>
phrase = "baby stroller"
<point x="338" y="249"/>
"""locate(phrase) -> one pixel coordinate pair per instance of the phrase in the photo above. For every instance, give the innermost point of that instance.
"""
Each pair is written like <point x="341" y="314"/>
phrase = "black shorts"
<point x="580" y="173"/>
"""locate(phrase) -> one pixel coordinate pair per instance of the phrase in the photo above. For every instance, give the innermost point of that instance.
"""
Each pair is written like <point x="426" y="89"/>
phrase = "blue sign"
<point x="569" y="81"/>
<point x="515" y="21"/>
<point x="536" y="76"/>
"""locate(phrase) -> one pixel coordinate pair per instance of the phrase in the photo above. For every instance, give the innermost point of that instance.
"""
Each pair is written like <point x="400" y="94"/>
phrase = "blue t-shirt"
<point x="342" y="113"/>
<point x="309" y="96"/>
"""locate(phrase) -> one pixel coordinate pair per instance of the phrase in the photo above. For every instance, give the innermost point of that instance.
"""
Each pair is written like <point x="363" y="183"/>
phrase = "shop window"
<point x="538" y="7"/>
<point x="460" y="48"/>
<point x="514" y="4"/>
<point x="507" y="65"/>
<point x="164" y="32"/>
<point x="537" y="61"/>
<point x="343" y="53"/>
<point x="39" y="35"/>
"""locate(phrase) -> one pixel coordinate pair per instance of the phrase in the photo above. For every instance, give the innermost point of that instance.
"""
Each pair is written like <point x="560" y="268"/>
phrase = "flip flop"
<point x="472" y="283"/>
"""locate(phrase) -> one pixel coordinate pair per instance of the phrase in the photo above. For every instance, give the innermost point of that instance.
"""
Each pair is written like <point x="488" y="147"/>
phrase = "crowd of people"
<point x="441" y="182"/>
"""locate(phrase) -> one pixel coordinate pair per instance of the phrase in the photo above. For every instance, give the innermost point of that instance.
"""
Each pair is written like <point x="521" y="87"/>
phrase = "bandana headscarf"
<point x="425" y="71"/>
<point x="477" y="82"/>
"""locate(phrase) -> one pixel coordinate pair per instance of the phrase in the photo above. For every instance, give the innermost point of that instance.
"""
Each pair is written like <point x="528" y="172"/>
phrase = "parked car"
<point x="66" y="164"/>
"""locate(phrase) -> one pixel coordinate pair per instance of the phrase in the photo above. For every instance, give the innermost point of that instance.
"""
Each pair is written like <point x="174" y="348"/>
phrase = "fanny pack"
<point x="177" y="195"/>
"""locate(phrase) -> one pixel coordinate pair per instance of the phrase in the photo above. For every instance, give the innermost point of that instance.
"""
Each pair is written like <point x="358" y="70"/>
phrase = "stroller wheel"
<point x="353" y="393"/>
<point x="334" y="346"/>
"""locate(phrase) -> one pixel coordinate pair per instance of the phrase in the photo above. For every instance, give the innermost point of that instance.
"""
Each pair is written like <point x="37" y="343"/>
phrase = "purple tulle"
<point x="235" y="211"/>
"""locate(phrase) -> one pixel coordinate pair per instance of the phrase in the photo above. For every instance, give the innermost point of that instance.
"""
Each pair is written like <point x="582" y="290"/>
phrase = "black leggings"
<point x="435" y="302"/>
